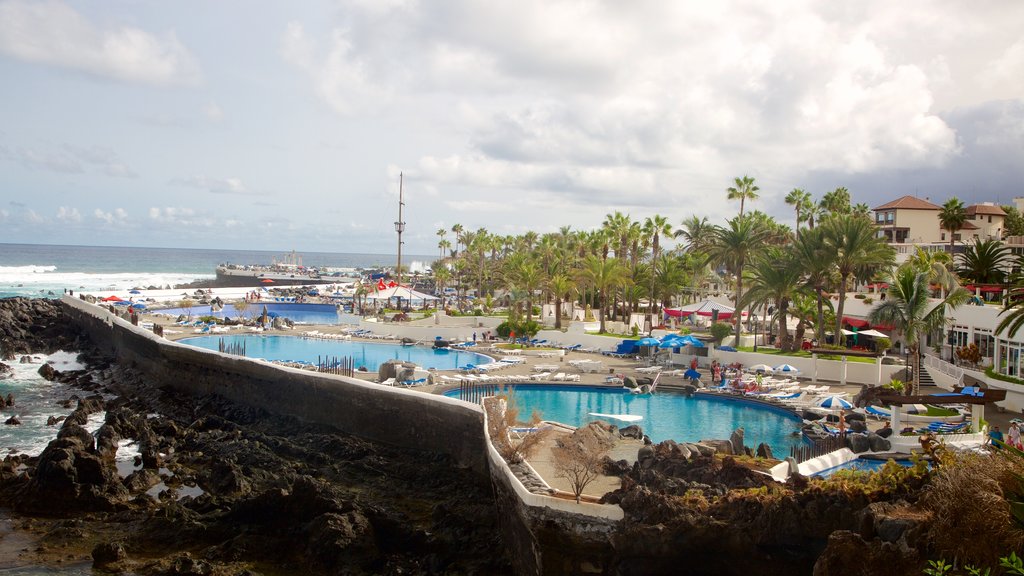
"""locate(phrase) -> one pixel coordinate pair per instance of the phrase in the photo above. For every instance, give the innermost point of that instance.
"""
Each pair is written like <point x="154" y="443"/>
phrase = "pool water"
<point x="369" y="355"/>
<point x="863" y="465"/>
<point x="666" y="415"/>
<point x="298" y="313"/>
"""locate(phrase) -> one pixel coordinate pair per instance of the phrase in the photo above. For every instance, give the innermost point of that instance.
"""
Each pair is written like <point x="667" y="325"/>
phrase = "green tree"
<point x="775" y="279"/>
<point x="908" y="309"/>
<point x="742" y="189"/>
<point x="696" y="233"/>
<point x="1013" y="224"/>
<point x="523" y="272"/>
<point x="855" y="252"/>
<point x="561" y="286"/>
<point x="732" y="247"/>
<point x="813" y="255"/>
<point x="603" y="275"/>
<point x="655" y="227"/>
<point x="803" y="204"/>
<point x="835" y="203"/>
<point x="984" y="262"/>
<point x="952" y="217"/>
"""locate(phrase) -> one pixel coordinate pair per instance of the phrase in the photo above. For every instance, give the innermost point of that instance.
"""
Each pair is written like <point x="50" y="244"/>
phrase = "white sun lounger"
<point x="560" y="377"/>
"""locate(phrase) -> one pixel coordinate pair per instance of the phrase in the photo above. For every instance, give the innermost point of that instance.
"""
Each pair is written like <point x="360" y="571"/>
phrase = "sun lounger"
<point x="388" y="382"/>
<point x="560" y="377"/>
<point x="878" y="412"/>
<point x="572" y="378"/>
<point x="540" y="376"/>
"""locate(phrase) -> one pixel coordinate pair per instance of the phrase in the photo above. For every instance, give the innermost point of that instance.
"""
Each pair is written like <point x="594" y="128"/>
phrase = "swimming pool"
<point x="862" y="465"/>
<point x="666" y="414"/>
<point x="298" y="313"/>
<point x="369" y="355"/>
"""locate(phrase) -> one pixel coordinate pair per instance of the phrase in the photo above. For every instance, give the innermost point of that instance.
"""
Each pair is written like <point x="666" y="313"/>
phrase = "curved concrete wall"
<point x="379" y="413"/>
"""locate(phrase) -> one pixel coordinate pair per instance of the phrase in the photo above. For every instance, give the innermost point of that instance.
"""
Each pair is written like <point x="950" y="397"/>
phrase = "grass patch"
<point x="991" y="373"/>
<point x="936" y="411"/>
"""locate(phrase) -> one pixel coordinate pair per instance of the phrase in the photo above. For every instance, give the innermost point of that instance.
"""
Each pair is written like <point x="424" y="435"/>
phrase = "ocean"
<point x="39" y="270"/>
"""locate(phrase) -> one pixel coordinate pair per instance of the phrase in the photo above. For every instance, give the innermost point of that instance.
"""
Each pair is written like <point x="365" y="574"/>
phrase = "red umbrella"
<point x="267" y="281"/>
<point x="112" y="299"/>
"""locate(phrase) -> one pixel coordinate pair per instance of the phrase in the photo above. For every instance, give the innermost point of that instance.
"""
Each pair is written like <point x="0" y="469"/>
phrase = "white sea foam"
<point x="34" y="279"/>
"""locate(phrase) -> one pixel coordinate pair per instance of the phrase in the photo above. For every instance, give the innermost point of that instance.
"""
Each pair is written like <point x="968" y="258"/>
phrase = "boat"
<point x="288" y="272"/>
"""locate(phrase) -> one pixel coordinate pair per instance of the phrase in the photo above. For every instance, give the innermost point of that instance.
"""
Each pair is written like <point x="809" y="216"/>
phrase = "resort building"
<point x="987" y="219"/>
<point x="908" y="220"/>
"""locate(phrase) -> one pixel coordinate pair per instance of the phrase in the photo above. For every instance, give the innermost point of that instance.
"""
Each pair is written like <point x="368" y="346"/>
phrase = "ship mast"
<point x="399" y="227"/>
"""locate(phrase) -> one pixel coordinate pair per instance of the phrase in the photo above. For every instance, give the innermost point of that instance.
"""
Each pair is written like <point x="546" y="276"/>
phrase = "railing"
<point x="343" y="366"/>
<point x="819" y="448"/>
<point x="233" y="348"/>
<point x="475" y="392"/>
<point x="953" y="371"/>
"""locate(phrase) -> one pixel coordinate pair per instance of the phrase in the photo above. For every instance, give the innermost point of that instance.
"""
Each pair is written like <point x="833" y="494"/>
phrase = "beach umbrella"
<point x="726" y="348"/>
<point x="691" y="374"/>
<point x="648" y="341"/>
<point x="267" y="281"/>
<point x="122" y="303"/>
<point x="134" y="292"/>
<point x="761" y="368"/>
<point x="111" y="299"/>
<point x="671" y="343"/>
<point x="138" y="305"/>
<point x="787" y="368"/>
<point x="835" y="402"/>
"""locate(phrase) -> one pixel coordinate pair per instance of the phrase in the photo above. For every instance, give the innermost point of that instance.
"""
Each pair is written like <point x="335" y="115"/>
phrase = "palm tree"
<point x="835" y="203"/>
<point x="908" y="310"/>
<point x="603" y="275"/>
<point x="801" y="202"/>
<point x="775" y="279"/>
<point x="442" y="246"/>
<point x="854" y="251"/>
<point x="985" y="262"/>
<point x="656" y="226"/>
<point x="696" y="232"/>
<point x="523" y="272"/>
<point x="733" y="246"/>
<point x="441" y="277"/>
<point x="743" y="188"/>
<point x="952" y="217"/>
<point x="561" y="286"/>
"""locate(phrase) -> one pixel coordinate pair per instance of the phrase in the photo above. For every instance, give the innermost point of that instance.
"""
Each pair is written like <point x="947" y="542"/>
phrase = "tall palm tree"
<point x="441" y="277"/>
<point x="801" y="202"/>
<point x="457" y="229"/>
<point x="603" y="275"/>
<point x="854" y="252"/>
<point x="908" y="310"/>
<point x="835" y="203"/>
<point x="742" y="189"/>
<point x="656" y="226"/>
<point x="775" y="279"/>
<point x="561" y="286"/>
<point x="985" y="262"/>
<point x="732" y="247"/>
<point x="952" y="217"/>
<point x="696" y="233"/>
<point x="523" y="272"/>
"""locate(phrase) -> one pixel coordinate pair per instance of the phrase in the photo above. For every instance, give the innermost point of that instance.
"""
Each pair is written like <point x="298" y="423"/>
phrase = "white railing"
<point x="940" y="365"/>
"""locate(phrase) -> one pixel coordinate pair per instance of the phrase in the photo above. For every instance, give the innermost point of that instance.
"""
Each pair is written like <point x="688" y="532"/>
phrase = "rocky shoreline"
<point x="277" y="495"/>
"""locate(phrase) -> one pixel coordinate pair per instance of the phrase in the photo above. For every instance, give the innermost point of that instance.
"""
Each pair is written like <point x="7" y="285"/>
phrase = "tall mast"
<point x="399" y="227"/>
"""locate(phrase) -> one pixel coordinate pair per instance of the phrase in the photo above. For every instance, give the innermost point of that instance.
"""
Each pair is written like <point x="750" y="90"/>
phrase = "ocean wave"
<point x="27" y="269"/>
<point x="32" y="279"/>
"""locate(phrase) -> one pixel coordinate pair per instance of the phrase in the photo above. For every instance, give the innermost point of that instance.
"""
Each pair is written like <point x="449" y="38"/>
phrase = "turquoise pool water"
<point x="298" y="313"/>
<point x="861" y="464"/>
<point x="666" y="415"/>
<point x="369" y="355"/>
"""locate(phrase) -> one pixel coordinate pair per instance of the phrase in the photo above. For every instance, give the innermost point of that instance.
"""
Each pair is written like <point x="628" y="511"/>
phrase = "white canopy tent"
<point x="403" y="292"/>
<point x="873" y="333"/>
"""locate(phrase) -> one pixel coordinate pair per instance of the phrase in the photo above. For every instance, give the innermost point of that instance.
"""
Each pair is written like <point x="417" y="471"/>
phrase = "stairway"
<point x="926" y="377"/>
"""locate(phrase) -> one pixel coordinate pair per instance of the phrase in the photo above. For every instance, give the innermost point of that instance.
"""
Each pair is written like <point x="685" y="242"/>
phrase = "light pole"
<point x="399" y="227"/>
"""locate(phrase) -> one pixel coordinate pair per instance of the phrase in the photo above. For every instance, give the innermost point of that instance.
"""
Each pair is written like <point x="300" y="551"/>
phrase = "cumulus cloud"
<point x="52" y="32"/>
<point x="214" y="185"/>
<point x="69" y="215"/>
<point x="117" y="216"/>
<point x="181" y="216"/>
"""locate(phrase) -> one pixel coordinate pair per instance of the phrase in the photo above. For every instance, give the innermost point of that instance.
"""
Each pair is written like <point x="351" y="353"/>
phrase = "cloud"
<point x="215" y="185"/>
<point x="70" y="159"/>
<point x="69" y="215"/>
<point x="53" y="33"/>
<point x="213" y="111"/>
<point x="117" y="216"/>
<point x="181" y="216"/>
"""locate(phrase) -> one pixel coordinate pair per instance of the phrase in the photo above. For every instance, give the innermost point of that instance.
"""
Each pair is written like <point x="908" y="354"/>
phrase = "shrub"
<point x="883" y="344"/>
<point x="869" y="300"/>
<point x="860" y="296"/>
<point x="478" y="312"/>
<point x="720" y="331"/>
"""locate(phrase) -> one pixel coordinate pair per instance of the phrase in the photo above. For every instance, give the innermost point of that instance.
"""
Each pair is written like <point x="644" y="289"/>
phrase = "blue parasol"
<point x="835" y="402"/>
<point x="691" y="374"/>
<point x="726" y="348"/>
<point x="648" y="341"/>
<point x="138" y="305"/>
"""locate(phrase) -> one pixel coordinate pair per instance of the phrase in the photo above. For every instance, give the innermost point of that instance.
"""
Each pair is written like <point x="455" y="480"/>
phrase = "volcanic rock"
<point x="878" y="443"/>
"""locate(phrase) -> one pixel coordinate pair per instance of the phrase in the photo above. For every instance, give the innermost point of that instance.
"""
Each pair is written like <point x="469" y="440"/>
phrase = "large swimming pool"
<point x="369" y="355"/>
<point x="298" y="313"/>
<point x="666" y="415"/>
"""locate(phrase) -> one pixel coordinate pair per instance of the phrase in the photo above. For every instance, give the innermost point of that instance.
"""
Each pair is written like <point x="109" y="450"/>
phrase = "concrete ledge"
<point x="830" y="460"/>
<point x="384" y="414"/>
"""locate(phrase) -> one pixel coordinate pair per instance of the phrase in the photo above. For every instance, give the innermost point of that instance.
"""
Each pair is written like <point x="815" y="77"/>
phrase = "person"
<point x="1013" y="436"/>
<point x="474" y="337"/>
<point x="886" y="430"/>
<point x="994" y="435"/>
<point x="842" y="422"/>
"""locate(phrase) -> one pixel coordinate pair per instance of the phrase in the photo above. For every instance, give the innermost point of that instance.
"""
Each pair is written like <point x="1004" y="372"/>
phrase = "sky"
<point x="285" y="125"/>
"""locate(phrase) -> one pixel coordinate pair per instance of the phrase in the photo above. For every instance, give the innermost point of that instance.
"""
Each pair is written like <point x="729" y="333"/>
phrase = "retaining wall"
<point x="383" y="414"/>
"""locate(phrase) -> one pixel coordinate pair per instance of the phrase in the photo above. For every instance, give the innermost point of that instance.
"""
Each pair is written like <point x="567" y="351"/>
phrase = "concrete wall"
<point x="379" y="413"/>
<point x="816" y="368"/>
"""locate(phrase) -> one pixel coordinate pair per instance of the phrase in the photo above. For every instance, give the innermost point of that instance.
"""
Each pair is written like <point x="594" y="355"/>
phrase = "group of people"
<point x="1012" y="437"/>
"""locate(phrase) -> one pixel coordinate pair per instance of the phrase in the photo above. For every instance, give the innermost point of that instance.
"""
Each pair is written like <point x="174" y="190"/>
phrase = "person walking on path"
<point x="1013" y="435"/>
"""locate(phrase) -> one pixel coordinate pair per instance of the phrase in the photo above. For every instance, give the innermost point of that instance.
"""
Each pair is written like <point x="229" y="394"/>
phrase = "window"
<point x="879" y="217"/>
<point x="889" y="216"/>
<point x="989" y="218"/>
